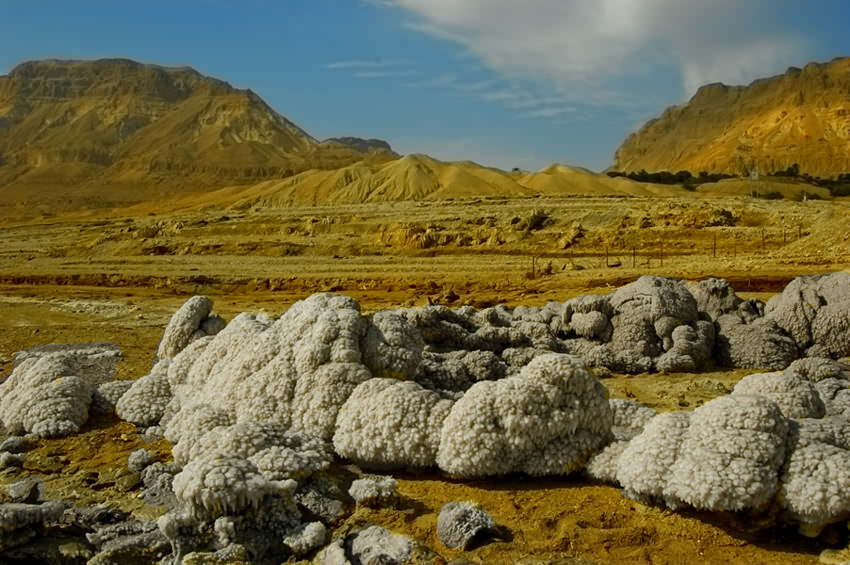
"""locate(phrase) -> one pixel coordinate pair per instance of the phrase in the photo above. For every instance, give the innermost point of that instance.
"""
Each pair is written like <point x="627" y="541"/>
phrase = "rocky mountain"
<point x="70" y="128"/>
<point x="362" y="145"/>
<point x="802" y="117"/>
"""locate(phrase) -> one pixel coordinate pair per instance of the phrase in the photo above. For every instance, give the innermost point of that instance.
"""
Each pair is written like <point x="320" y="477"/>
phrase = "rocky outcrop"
<point x="802" y="117"/>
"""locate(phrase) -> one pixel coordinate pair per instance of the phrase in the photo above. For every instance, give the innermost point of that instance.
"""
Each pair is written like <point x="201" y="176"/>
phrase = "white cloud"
<point x="385" y="74"/>
<point x="548" y="112"/>
<point x="598" y="52"/>
<point x="377" y="62"/>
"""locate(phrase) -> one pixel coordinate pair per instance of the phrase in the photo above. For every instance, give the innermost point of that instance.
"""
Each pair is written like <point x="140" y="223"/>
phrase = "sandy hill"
<point x="802" y="116"/>
<point x="416" y="177"/>
<point x="97" y="133"/>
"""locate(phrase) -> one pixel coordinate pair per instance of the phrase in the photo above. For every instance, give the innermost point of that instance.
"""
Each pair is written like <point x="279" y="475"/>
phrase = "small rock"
<point x="139" y="459"/>
<point x="28" y="490"/>
<point x="127" y="482"/>
<point x="372" y="489"/>
<point x="375" y="545"/>
<point x="15" y="444"/>
<point x="11" y="459"/>
<point x="459" y="523"/>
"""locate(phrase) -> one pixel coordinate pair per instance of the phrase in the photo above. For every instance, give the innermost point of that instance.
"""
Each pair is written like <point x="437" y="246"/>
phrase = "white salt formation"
<point x="49" y="391"/>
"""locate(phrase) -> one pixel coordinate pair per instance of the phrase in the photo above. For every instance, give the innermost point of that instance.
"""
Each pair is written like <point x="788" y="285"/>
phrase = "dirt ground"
<point x="120" y="278"/>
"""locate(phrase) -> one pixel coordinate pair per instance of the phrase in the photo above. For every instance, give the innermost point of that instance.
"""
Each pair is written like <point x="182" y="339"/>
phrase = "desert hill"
<point x="802" y="116"/>
<point x="414" y="177"/>
<point x="99" y="131"/>
<point x="362" y="145"/>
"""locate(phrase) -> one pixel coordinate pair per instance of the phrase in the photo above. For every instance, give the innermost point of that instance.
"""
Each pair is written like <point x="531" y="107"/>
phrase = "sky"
<point x="504" y="83"/>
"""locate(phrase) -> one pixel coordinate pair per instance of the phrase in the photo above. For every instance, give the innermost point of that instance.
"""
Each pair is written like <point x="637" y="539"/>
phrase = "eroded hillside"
<point x="802" y="117"/>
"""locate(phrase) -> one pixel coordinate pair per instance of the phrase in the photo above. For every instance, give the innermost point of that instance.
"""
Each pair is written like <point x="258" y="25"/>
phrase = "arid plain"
<point x="119" y="277"/>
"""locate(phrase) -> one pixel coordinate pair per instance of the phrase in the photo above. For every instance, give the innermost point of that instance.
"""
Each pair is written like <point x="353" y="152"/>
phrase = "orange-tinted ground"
<point x="86" y="280"/>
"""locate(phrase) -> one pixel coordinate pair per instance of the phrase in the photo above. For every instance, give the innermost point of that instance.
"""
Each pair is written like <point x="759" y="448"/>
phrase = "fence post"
<point x="714" y="249"/>
<point x="634" y="257"/>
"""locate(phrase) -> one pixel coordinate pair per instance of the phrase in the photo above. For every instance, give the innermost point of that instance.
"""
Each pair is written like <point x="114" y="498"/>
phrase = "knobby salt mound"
<point x="258" y="409"/>
<point x="50" y="389"/>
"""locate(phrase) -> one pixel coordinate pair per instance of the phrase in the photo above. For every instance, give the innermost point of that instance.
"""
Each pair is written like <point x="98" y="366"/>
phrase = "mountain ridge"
<point x="142" y="127"/>
<point x="801" y="116"/>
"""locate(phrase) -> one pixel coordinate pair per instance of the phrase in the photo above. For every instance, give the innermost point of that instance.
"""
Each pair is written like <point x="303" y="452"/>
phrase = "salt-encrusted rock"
<point x="835" y="394"/>
<point x="392" y="347"/>
<point x="545" y="421"/>
<point x="813" y="309"/>
<point x="145" y="401"/>
<point x="43" y="397"/>
<point x="372" y="489"/>
<point x="715" y="297"/>
<point x="629" y="418"/>
<point x="603" y="465"/>
<point x="730" y="456"/>
<point x="796" y="397"/>
<point x="219" y="485"/>
<point x="725" y="456"/>
<point x="20" y="522"/>
<point x="306" y="537"/>
<point x="11" y="459"/>
<point x="389" y="423"/>
<point x="459" y="523"/>
<point x="322" y="498"/>
<point x="761" y="344"/>
<point x="223" y="501"/>
<point x="297" y="370"/>
<point x="184" y="327"/>
<point x="647" y="459"/>
<point x="191" y="422"/>
<point x="157" y="479"/>
<point x="106" y="396"/>
<point x="374" y="545"/>
<point x="816" y="369"/>
<point x="139" y="459"/>
<point x="94" y="361"/>
<point x="592" y="325"/>
<point x="130" y="540"/>
<point x="16" y="444"/>
<point x="28" y="490"/>
<point x="815" y="480"/>
<point x="278" y="452"/>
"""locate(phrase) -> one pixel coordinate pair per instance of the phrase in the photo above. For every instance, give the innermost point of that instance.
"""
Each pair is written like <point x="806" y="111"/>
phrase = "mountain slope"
<point x="69" y="128"/>
<point x="802" y="116"/>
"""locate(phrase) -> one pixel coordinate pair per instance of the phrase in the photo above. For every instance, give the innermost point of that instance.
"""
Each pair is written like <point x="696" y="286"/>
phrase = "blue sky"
<point x="501" y="82"/>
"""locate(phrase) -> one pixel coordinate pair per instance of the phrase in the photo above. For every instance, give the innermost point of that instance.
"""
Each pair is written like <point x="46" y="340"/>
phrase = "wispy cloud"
<point x="377" y="62"/>
<point x="548" y="112"/>
<point x="445" y="80"/>
<point x="597" y="52"/>
<point x="386" y="74"/>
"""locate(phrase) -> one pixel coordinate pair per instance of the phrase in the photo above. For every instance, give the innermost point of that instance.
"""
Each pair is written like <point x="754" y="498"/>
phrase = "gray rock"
<point x="16" y="444"/>
<point x="157" y="479"/>
<point x="28" y="490"/>
<point x="460" y="523"/>
<point x="139" y="460"/>
<point x="11" y="459"/>
<point x="322" y="499"/>
<point x="374" y="545"/>
<point x="334" y="553"/>
<point x="26" y="520"/>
